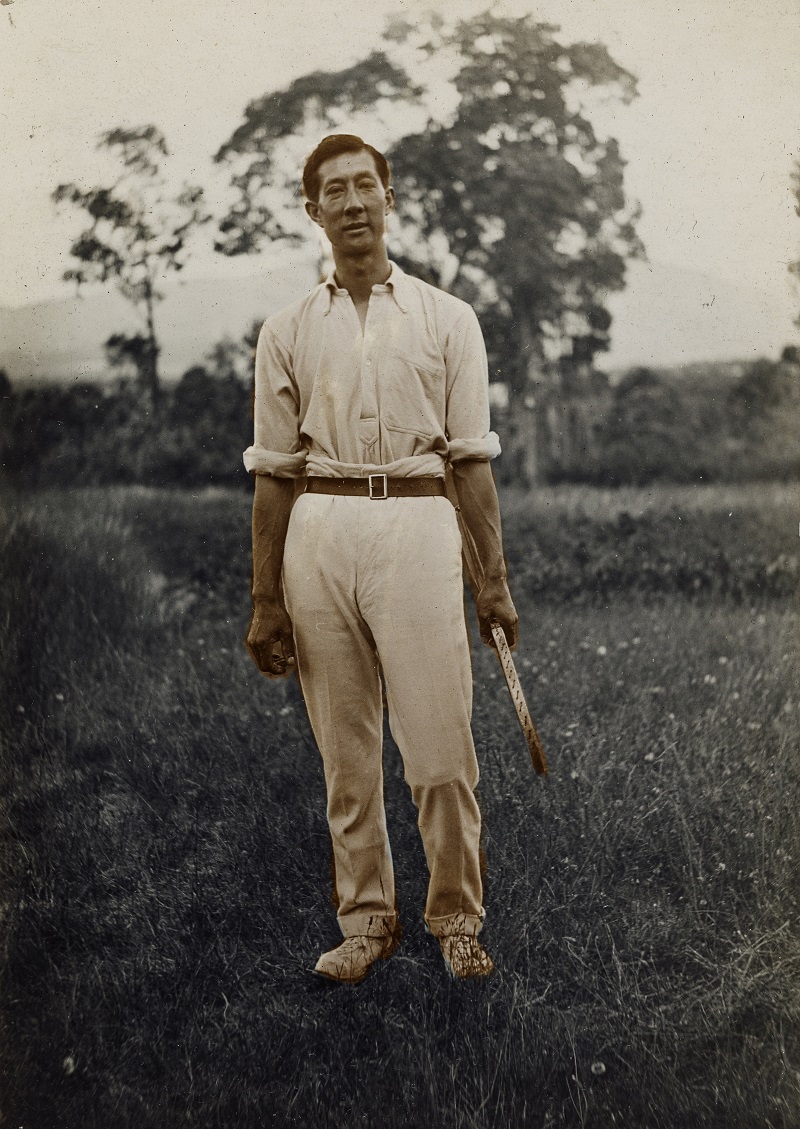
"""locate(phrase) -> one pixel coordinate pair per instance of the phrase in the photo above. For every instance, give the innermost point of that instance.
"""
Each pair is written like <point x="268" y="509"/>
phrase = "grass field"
<point x="166" y="862"/>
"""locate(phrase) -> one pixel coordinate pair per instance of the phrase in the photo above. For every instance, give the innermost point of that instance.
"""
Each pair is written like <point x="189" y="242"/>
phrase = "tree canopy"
<point x="507" y="195"/>
<point x="137" y="233"/>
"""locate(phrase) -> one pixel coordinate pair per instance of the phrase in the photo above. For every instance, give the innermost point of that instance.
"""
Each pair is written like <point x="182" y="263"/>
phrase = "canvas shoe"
<point x="465" y="956"/>
<point x="350" y="962"/>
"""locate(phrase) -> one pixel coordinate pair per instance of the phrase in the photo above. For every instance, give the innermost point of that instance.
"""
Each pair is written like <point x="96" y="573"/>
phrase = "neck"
<point x="359" y="273"/>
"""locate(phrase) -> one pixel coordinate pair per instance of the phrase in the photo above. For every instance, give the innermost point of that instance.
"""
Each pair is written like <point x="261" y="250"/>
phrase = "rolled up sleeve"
<point x="467" y="425"/>
<point x="276" y="448"/>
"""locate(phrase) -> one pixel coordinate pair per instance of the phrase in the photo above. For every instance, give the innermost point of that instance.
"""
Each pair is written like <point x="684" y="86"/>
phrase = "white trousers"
<point x="371" y="586"/>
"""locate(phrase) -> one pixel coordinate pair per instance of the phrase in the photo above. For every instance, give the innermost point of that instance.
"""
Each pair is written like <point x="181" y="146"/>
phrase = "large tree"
<point x="137" y="233"/>
<point x="507" y="196"/>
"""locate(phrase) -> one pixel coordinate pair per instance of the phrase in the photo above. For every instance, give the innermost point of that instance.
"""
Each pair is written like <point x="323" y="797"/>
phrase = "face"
<point x="353" y="204"/>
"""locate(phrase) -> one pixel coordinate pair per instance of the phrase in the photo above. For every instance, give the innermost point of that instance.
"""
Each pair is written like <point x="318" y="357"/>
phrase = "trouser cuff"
<point x="369" y="925"/>
<point x="468" y="924"/>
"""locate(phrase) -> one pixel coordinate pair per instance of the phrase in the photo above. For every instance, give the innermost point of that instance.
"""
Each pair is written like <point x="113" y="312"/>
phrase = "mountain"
<point x="667" y="316"/>
<point x="63" y="339"/>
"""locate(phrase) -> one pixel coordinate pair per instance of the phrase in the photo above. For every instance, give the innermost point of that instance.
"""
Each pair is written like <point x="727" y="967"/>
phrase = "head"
<point x="334" y="146"/>
<point x="348" y="194"/>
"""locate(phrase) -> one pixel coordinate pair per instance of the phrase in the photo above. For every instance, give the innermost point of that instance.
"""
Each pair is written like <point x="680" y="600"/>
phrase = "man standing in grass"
<point x="365" y="390"/>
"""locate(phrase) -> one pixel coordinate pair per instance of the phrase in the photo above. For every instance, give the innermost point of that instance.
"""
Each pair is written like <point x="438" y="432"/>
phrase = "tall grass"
<point x="166" y="858"/>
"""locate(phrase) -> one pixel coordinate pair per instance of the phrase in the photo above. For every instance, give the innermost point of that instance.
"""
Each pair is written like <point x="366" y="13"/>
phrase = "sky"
<point x="710" y="141"/>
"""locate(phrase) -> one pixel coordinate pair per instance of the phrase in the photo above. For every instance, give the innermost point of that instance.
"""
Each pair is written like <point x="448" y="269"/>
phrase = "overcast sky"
<point x="710" y="142"/>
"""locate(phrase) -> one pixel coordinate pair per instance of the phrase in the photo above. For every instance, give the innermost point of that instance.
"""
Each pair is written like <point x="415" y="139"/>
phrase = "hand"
<point x="494" y="604"/>
<point x="270" y="640"/>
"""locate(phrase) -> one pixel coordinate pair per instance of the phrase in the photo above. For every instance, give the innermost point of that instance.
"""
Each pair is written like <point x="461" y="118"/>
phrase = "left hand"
<point x="495" y="604"/>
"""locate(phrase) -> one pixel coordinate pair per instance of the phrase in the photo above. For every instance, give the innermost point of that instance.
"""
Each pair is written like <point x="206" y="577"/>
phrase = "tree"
<point x="137" y="234"/>
<point x="507" y="198"/>
<point x="230" y="358"/>
<point x="531" y="208"/>
<point x="126" y="351"/>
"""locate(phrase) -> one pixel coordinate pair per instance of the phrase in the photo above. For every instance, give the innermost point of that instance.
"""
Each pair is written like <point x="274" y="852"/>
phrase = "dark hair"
<point x="333" y="146"/>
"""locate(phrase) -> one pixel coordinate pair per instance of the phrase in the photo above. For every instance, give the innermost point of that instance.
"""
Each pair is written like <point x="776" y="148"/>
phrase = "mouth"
<point x="354" y="228"/>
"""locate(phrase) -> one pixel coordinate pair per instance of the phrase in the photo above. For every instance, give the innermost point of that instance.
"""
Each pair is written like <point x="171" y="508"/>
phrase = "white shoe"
<point x="350" y="962"/>
<point x="465" y="956"/>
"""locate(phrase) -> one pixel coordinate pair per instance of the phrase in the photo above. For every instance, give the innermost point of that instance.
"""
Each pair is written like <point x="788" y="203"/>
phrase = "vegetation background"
<point x="700" y="424"/>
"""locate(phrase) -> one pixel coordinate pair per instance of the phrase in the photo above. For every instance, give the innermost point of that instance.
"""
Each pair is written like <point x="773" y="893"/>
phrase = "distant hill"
<point x="63" y="339"/>
<point x="666" y="317"/>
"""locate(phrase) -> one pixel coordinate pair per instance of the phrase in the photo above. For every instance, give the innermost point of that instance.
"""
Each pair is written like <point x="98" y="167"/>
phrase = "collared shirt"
<point x="403" y="396"/>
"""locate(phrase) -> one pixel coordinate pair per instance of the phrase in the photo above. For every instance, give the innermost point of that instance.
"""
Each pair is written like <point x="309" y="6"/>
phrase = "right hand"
<point x="270" y="640"/>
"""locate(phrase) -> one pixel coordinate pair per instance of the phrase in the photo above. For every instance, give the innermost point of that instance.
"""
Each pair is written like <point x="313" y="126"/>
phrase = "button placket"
<point x="368" y="423"/>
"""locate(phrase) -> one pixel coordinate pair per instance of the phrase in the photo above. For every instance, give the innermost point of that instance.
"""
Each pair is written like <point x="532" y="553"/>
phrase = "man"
<point x="366" y="389"/>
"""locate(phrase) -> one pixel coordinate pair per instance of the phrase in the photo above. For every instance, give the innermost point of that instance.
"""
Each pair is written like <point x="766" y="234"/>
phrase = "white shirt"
<point x="403" y="396"/>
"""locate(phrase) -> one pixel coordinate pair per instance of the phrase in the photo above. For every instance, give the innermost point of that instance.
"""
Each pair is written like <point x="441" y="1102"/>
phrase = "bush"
<point x="86" y="435"/>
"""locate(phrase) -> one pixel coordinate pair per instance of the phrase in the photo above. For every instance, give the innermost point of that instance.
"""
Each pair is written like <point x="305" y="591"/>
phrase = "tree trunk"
<point x="526" y="453"/>
<point x="521" y="443"/>
<point x="149" y="372"/>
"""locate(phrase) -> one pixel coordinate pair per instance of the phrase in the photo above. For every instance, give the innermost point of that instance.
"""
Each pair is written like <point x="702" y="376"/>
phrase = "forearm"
<point x="272" y="505"/>
<point x="480" y="510"/>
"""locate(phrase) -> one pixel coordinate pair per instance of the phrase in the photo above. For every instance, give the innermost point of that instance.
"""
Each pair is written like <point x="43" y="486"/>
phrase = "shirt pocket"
<point x="413" y="395"/>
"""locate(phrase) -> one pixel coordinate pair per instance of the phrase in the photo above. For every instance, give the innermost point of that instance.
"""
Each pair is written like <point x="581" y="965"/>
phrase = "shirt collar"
<point x="396" y="284"/>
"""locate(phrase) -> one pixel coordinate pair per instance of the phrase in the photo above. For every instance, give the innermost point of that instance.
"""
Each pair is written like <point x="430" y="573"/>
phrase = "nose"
<point x="352" y="201"/>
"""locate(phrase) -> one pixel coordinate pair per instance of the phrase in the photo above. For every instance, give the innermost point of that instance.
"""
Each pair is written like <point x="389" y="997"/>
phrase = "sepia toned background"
<point x="164" y="848"/>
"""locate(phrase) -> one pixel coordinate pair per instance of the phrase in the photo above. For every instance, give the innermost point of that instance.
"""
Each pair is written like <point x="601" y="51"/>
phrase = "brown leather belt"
<point x="378" y="487"/>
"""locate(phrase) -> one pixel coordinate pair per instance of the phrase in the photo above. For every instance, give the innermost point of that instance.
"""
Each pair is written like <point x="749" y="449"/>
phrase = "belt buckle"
<point x="374" y="486"/>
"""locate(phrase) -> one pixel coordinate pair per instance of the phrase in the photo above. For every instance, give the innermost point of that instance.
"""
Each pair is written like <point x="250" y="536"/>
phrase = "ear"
<point x="312" y="208"/>
<point x="390" y="200"/>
